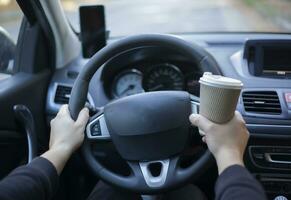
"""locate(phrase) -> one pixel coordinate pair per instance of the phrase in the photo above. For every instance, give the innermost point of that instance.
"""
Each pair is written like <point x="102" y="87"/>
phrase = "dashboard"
<point x="265" y="101"/>
<point x="152" y="69"/>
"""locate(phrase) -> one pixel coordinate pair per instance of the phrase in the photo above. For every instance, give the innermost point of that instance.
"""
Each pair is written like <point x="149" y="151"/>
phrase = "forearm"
<point x="235" y="182"/>
<point x="227" y="158"/>
<point x="58" y="156"/>
<point x="37" y="180"/>
<point x="67" y="135"/>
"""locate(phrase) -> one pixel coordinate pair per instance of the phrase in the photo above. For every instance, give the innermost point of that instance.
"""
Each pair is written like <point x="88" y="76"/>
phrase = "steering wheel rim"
<point x="79" y="92"/>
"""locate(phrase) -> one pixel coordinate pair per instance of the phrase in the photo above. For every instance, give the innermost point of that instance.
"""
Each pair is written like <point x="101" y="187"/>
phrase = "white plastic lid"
<point x="220" y="81"/>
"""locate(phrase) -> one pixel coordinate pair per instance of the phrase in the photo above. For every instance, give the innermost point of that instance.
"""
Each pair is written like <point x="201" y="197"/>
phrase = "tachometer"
<point x="127" y="83"/>
<point x="164" y="77"/>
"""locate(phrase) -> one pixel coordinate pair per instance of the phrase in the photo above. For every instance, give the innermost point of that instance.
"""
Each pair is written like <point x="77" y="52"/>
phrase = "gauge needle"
<point x="157" y="87"/>
<point x="130" y="87"/>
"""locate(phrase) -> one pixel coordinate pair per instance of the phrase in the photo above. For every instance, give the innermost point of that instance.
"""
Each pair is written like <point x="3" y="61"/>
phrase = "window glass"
<point x="126" y="17"/>
<point x="10" y="20"/>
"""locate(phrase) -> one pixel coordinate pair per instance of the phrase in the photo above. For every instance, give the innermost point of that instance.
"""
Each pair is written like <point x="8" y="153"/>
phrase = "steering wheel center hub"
<point x="149" y="126"/>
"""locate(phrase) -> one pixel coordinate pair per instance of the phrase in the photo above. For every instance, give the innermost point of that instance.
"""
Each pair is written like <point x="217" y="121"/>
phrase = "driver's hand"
<point x="66" y="133"/>
<point x="66" y="136"/>
<point x="227" y="142"/>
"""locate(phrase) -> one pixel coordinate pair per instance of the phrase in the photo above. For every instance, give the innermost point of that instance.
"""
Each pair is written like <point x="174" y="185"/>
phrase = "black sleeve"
<point x="237" y="183"/>
<point x="36" y="181"/>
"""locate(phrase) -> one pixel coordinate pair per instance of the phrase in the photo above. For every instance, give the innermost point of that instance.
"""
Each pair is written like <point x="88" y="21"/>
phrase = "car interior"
<point x="139" y="88"/>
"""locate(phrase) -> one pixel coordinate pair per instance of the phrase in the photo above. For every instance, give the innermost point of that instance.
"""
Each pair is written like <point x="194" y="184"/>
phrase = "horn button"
<point x="149" y="126"/>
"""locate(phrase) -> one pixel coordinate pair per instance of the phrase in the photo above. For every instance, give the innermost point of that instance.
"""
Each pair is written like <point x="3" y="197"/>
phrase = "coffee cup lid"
<point x="220" y="81"/>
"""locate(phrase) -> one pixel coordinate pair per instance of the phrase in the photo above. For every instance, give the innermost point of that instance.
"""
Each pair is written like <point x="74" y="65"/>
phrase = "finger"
<point x="239" y="116"/>
<point x="83" y="116"/>
<point x="201" y="122"/>
<point x="202" y="133"/>
<point x="64" y="110"/>
<point x="248" y="134"/>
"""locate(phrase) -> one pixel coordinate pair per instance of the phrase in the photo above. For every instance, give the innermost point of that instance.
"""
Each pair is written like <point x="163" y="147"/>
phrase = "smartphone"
<point x="93" y="30"/>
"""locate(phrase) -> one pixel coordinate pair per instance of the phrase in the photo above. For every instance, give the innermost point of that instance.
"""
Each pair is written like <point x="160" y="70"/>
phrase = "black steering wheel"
<point x="149" y="130"/>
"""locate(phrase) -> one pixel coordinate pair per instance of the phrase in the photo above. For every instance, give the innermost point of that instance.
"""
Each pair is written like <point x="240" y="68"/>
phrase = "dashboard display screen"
<point x="277" y="59"/>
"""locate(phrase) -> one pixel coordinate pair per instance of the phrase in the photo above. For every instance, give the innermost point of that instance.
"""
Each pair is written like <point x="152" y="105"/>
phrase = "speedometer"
<point x="127" y="83"/>
<point x="164" y="77"/>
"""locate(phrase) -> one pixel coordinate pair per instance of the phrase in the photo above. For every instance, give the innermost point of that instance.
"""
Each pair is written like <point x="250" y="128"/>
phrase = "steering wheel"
<point x="149" y="130"/>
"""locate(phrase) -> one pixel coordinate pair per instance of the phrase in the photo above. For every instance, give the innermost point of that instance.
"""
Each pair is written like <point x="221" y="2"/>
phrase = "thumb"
<point x="194" y="119"/>
<point x="83" y="116"/>
<point x="199" y="121"/>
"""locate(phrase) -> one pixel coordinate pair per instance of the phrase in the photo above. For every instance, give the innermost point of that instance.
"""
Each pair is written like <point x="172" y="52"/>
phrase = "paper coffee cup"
<point x="218" y="97"/>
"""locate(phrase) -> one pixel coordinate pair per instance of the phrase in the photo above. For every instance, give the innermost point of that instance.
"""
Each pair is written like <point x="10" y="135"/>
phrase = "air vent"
<point x="63" y="94"/>
<point x="262" y="102"/>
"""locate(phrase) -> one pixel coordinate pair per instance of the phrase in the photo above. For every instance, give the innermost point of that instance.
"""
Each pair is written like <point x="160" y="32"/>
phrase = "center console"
<point x="271" y="160"/>
<point x="276" y="187"/>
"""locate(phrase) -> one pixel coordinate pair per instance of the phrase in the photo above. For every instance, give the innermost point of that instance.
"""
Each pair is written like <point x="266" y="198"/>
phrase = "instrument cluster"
<point x="155" y="77"/>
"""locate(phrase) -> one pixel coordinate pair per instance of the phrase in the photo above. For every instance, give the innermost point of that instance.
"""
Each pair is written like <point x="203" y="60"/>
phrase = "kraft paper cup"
<point x="218" y="97"/>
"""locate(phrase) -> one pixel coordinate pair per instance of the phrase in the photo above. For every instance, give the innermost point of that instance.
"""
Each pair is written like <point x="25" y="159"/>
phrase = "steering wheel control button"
<point x="97" y="129"/>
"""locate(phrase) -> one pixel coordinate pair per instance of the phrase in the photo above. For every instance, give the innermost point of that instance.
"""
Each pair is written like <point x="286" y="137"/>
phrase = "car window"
<point x="126" y="17"/>
<point x="10" y="21"/>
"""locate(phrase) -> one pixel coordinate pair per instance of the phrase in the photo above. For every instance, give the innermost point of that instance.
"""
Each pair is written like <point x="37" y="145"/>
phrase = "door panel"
<point x="12" y="150"/>
<point x="29" y="90"/>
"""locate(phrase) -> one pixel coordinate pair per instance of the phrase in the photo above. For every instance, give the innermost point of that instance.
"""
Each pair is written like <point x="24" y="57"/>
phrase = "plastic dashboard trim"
<point x="54" y="107"/>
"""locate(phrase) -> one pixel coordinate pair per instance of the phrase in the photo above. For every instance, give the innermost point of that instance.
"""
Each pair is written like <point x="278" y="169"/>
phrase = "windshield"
<point x="10" y="17"/>
<point x="127" y="17"/>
